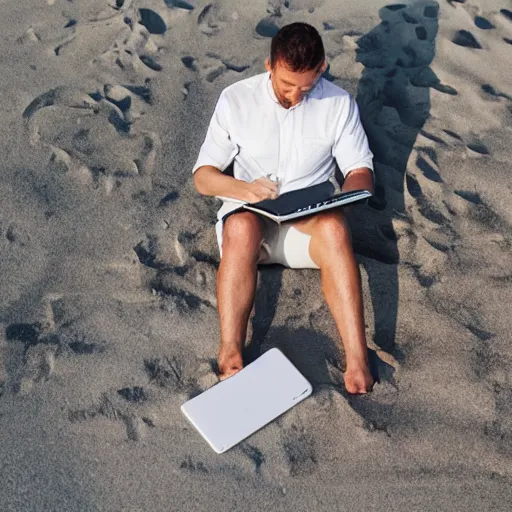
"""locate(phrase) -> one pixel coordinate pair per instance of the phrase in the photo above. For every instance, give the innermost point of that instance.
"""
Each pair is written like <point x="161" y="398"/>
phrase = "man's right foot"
<point x="230" y="362"/>
<point x="358" y="379"/>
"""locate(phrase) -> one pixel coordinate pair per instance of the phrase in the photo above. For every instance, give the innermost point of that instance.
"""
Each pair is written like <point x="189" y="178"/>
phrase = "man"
<point x="294" y="126"/>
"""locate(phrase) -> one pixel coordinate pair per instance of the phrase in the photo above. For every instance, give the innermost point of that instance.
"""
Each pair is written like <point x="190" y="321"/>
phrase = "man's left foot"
<point x="358" y="380"/>
<point x="230" y="362"/>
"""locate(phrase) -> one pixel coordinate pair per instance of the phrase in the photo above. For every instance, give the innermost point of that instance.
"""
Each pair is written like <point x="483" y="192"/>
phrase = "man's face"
<point x="290" y="87"/>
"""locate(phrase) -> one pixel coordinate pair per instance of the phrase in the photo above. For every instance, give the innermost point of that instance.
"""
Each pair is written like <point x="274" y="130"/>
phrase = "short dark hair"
<point x="298" y="46"/>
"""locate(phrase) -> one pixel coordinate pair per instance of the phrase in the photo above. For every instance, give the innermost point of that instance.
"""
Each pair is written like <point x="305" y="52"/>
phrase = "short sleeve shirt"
<point x="300" y="145"/>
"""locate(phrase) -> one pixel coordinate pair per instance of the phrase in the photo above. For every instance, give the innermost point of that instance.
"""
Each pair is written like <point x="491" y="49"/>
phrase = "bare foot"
<point x="230" y="362"/>
<point x="358" y="380"/>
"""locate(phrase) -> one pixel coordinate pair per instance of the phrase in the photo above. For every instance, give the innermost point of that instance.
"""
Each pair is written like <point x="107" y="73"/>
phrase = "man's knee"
<point x="333" y="230"/>
<point x="242" y="232"/>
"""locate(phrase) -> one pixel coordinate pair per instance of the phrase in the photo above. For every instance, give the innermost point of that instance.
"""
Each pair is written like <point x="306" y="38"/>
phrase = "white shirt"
<point x="300" y="145"/>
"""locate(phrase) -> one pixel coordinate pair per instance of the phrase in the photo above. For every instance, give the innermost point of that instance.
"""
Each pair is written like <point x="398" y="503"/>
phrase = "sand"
<point x="108" y="262"/>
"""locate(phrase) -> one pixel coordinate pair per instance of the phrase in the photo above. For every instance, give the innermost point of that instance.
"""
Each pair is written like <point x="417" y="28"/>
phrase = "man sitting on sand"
<point x="291" y="125"/>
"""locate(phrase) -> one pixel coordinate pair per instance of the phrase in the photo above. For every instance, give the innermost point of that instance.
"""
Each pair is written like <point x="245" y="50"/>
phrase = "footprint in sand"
<point x="34" y="348"/>
<point x="466" y="39"/>
<point x="194" y="467"/>
<point x="211" y="20"/>
<point x="179" y="4"/>
<point x="39" y="366"/>
<point x="430" y="212"/>
<point x="280" y="7"/>
<point x="94" y="20"/>
<point x="501" y="428"/>
<point x="135" y="394"/>
<point x="478" y="147"/>
<point x="182" y="272"/>
<point x="134" y="51"/>
<point x="299" y="449"/>
<point x="131" y="406"/>
<point x="276" y="8"/>
<point x="491" y="91"/>
<point x="152" y="21"/>
<point x="212" y="66"/>
<point x="167" y="372"/>
<point x="106" y="12"/>
<point x="428" y="169"/>
<point x="80" y="129"/>
<point x="35" y="362"/>
<point x="454" y="135"/>
<point x="483" y="23"/>
<point x="507" y="13"/>
<point x="481" y="213"/>
<point x="184" y="377"/>
<point x="254" y="454"/>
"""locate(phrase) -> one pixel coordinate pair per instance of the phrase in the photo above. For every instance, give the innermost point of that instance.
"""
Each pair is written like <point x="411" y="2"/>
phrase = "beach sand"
<point x="108" y="262"/>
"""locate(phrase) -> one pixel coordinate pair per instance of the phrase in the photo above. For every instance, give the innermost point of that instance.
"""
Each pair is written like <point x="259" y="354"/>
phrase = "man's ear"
<point x="324" y="67"/>
<point x="268" y="67"/>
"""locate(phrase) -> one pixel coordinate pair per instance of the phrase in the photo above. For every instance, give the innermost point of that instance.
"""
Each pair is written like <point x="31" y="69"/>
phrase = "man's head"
<point x="297" y="60"/>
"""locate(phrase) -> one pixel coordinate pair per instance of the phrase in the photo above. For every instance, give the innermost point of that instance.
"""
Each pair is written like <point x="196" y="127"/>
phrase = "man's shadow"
<point x="393" y="95"/>
<point x="394" y="102"/>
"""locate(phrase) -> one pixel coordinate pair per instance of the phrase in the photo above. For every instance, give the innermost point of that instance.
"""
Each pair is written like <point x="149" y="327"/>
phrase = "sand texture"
<point x="108" y="262"/>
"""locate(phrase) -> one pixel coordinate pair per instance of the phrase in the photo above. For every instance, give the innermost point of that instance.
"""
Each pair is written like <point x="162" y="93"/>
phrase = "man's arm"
<point x="211" y="181"/>
<point x="217" y="152"/>
<point x="357" y="179"/>
<point x="352" y="152"/>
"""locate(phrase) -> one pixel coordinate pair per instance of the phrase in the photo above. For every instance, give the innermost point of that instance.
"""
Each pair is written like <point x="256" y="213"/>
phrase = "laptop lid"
<point x="237" y="407"/>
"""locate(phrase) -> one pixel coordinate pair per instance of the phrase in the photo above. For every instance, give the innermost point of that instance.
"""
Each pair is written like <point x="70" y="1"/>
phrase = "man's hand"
<point x="261" y="189"/>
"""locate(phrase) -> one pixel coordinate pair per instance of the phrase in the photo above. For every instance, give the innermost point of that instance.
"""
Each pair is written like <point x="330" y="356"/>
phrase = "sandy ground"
<point x="108" y="262"/>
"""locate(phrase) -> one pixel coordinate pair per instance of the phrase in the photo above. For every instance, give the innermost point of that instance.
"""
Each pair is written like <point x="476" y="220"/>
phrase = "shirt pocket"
<point x="314" y="153"/>
<point x="259" y="153"/>
<point x="255" y="135"/>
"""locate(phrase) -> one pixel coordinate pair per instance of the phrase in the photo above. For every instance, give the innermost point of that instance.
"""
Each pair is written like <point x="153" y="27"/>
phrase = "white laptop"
<point x="237" y="407"/>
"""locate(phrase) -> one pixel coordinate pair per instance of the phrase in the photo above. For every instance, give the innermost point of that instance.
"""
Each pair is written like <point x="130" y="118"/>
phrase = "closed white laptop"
<point x="237" y="407"/>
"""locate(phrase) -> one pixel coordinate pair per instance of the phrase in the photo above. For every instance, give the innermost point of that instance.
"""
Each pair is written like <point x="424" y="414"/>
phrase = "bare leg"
<point x="236" y="287"/>
<point x="331" y="249"/>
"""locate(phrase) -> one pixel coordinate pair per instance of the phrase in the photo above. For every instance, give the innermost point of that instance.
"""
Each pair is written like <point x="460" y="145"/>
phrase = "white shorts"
<point x="282" y="243"/>
<point x="286" y="245"/>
